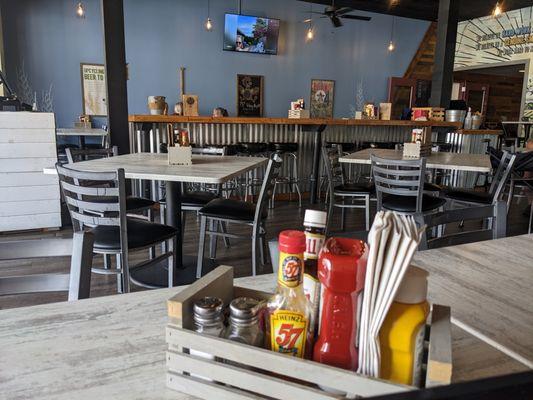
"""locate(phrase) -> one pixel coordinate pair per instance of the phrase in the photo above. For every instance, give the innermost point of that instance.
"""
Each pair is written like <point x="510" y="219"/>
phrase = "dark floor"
<point x="284" y="216"/>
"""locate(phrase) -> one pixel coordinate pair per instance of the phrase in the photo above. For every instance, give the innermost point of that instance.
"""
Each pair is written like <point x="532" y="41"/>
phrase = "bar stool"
<point x="287" y="150"/>
<point x="252" y="180"/>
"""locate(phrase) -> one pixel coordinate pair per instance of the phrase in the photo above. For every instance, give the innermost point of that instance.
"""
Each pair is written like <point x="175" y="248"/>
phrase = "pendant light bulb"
<point x="80" y="11"/>
<point x="391" y="46"/>
<point x="497" y="10"/>
<point x="310" y="34"/>
<point x="208" y="25"/>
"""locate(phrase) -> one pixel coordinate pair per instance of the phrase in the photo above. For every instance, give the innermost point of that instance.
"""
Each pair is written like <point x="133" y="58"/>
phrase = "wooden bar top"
<point x="286" y="121"/>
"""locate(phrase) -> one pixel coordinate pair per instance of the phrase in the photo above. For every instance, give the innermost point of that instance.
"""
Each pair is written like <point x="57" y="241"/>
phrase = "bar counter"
<point x="147" y="132"/>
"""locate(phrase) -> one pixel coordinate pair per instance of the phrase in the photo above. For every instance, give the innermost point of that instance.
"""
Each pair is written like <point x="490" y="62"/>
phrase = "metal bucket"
<point x="455" y="116"/>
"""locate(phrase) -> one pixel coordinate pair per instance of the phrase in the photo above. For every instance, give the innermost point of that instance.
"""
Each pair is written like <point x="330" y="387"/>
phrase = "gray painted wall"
<point x="162" y="35"/>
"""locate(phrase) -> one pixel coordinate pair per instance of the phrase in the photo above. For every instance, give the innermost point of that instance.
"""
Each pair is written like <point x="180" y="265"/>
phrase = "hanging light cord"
<point x="392" y="30"/>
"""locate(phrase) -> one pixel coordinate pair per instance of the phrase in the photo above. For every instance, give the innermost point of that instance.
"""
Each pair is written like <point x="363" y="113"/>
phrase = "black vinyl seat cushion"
<point x="407" y="204"/>
<point x="355" y="188"/>
<point x="431" y="187"/>
<point x="468" y="195"/>
<point x="195" y="199"/>
<point x="141" y="233"/>
<point x="138" y="203"/>
<point x="231" y="209"/>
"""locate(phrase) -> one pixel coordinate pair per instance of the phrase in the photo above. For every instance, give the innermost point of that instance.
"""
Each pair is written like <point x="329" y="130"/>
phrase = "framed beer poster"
<point x="249" y="95"/>
<point x="93" y="89"/>
<point x="321" y="102"/>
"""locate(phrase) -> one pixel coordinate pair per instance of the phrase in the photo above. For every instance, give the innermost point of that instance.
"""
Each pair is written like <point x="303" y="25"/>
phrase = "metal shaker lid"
<point x="208" y="308"/>
<point x="244" y="308"/>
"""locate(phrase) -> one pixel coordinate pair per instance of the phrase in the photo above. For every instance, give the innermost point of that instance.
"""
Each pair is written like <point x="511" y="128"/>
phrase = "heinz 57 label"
<point x="288" y="332"/>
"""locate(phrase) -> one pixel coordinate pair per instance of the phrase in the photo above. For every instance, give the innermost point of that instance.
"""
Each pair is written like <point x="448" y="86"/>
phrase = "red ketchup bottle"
<point x="341" y="271"/>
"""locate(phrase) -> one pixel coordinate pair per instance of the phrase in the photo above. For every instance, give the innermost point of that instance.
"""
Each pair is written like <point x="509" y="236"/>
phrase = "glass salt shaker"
<point x="244" y="322"/>
<point x="208" y="320"/>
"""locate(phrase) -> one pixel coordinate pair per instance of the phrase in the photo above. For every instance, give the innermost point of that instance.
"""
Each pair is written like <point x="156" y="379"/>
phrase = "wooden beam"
<point x="441" y="85"/>
<point x="115" y="64"/>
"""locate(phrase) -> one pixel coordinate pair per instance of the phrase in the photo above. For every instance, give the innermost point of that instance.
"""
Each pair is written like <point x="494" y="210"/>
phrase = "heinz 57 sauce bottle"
<point x="341" y="270"/>
<point x="289" y="312"/>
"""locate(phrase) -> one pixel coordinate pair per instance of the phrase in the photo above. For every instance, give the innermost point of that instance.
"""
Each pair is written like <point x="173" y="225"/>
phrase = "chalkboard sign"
<point x="423" y="93"/>
<point x="249" y="95"/>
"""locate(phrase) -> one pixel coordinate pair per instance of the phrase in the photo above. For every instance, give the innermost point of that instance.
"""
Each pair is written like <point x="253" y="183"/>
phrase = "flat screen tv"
<point x="250" y="34"/>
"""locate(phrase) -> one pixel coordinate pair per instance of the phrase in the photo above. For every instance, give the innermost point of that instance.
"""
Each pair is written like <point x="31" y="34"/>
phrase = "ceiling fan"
<point x="335" y="14"/>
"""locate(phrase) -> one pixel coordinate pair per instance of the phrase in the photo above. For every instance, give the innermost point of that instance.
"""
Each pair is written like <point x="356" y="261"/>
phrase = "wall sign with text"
<point x="93" y="89"/>
<point x="506" y="38"/>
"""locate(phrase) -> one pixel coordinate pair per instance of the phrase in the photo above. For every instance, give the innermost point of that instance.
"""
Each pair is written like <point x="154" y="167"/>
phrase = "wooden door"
<point x="401" y="95"/>
<point x="476" y="95"/>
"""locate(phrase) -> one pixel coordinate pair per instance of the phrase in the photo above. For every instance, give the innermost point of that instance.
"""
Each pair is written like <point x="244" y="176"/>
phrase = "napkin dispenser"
<point x="180" y="155"/>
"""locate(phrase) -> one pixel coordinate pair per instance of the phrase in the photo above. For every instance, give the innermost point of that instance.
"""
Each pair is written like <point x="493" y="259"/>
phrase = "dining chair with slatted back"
<point x="77" y="282"/>
<point x="497" y="213"/>
<point x="500" y="178"/>
<point x="97" y="202"/>
<point x="240" y="212"/>
<point x="344" y="195"/>
<point x="400" y="186"/>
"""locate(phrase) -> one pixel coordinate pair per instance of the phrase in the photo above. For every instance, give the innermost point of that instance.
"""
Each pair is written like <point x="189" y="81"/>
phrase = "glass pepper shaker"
<point x="208" y="320"/>
<point x="244" y="322"/>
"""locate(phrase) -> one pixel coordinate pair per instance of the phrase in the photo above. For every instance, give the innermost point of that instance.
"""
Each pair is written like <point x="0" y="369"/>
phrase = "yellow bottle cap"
<point x="414" y="286"/>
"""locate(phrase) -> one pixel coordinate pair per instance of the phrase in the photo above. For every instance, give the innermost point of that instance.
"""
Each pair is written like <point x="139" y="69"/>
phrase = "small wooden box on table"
<point x="243" y="372"/>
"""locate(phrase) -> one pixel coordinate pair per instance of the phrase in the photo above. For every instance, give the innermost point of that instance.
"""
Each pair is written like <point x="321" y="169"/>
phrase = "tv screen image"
<point x="251" y="34"/>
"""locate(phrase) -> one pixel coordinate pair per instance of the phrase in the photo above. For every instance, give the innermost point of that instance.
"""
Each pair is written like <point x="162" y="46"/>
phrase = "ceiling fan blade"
<point x="307" y="20"/>
<point x="359" y="17"/>
<point x="337" y="23"/>
<point x="343" y="10"/>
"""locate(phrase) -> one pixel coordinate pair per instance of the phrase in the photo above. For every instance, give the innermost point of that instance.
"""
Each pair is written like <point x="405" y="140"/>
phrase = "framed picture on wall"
<point x="249" y="95"/>
<point x="93" y="89"/>
<point x="322" y="97"/>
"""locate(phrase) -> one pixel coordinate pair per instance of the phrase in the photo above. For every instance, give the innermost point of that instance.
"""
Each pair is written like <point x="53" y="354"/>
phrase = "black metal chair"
<point x="239" y="212"/>
<point x="523" y="164"/>
<point x="473" y="197"/>
<point x="338" y="189"/>
<point x="400" y="186"/>
<point x="497" y="229"/>
<point x="134" y="205"/>
<point x="97" y="202"/>
<point x="77" y="282"/>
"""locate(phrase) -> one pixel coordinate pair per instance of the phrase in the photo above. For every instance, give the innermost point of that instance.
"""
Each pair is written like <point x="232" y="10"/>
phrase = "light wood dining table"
<point x="437" y="160"/>
<point x="114" y="347"/>
<point x="155" y="167"/>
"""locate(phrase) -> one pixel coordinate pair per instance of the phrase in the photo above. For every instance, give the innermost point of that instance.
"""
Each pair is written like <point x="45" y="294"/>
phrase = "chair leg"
<point x="510" y="196"/>
<point x="255" y="234"/>
<point x="273" y="194"/>
<point x="107" y="261"/>
<point x="172" y="245"/>
<point x="213" y="227"/>
<point x="343" y="214"/>
<point x="125" y="275"/>
<point x="367" y="213"/>
<point x="120" y="281"/>
<point x="201" y="247"/>
<point x="262" y="250"/>
<point x="224" y="229"/>
<point x="151" y="250"/>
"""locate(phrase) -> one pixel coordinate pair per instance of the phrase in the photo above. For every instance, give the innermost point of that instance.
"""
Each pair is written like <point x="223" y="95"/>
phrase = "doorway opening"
<point x="496" y="92"/>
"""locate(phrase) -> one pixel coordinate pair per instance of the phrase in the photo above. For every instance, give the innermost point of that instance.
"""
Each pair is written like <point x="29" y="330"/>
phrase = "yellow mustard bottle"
<point x="401" y="336"/>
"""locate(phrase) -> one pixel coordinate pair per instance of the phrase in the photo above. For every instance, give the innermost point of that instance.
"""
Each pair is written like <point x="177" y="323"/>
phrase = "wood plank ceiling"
<point x="425" y="9"/>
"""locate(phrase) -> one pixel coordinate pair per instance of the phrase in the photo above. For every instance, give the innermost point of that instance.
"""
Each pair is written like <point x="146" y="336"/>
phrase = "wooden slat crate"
<point x="433" y="113"/>
<point x="244" y="372"/>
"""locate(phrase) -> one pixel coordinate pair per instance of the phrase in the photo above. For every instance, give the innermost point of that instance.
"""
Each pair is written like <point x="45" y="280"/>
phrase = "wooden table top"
<point x="114" y="347"/>
<point x="287" y="121"/>
<point x="489" y="286"/>
<point x="440" y="160"/>
<point x="80" y="132"/>
<point x="151" y="166"/>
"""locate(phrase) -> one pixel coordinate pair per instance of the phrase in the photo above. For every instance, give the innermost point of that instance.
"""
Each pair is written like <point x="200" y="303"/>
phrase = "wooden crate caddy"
<point x="433" y="113"/>
<point x="256" y="373"/>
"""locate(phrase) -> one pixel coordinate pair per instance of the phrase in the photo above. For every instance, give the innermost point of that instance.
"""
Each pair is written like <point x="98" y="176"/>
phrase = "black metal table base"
<point x="156" y="276"/>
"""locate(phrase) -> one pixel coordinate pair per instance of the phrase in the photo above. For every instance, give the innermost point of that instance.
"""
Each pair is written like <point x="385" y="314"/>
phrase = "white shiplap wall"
<point x="28" y="198"/>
